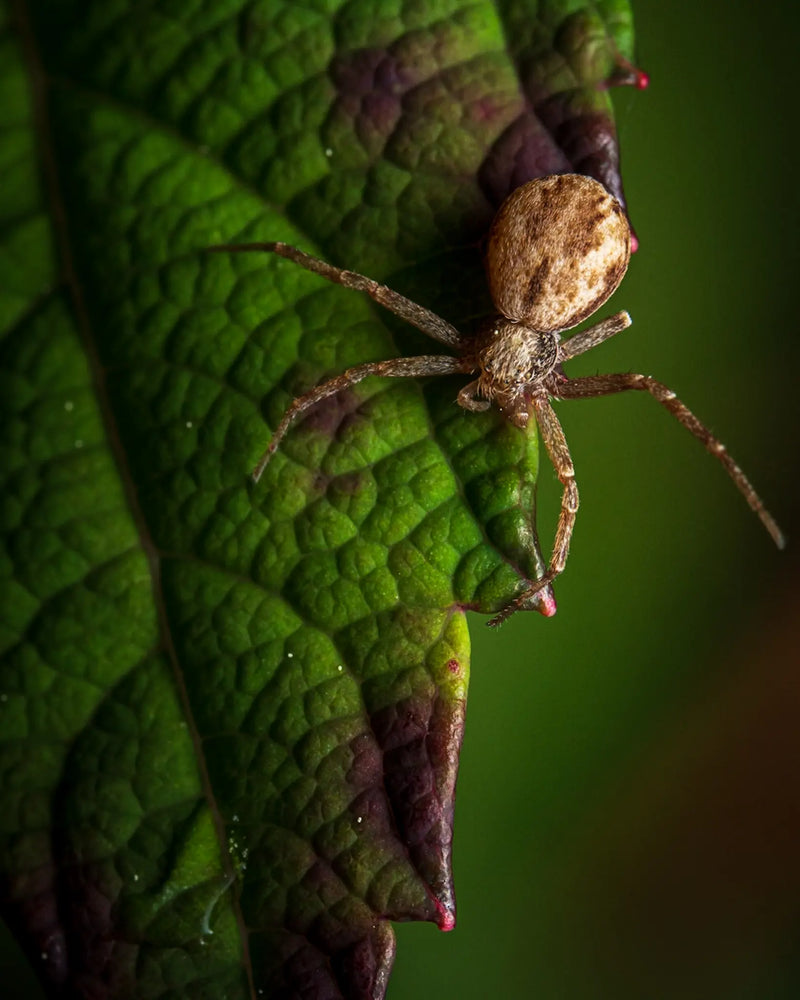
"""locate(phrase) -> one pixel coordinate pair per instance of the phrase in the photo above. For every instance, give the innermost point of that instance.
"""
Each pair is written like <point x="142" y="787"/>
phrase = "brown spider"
<point x="557" y="249"/>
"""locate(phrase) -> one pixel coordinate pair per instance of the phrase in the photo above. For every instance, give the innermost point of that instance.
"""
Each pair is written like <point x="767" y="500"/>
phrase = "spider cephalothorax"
<point x="557" y="249"/>
<point x="513" y="362"/>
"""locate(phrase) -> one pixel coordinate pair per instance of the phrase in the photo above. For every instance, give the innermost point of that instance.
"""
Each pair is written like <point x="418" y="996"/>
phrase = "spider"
<point x="557" y="249"/>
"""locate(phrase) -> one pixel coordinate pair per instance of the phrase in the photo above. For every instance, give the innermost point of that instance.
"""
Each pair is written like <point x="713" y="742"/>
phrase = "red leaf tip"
<point x="447" y="919"/>
<point x="547" y="603"/>
<point x="628" y="75"/>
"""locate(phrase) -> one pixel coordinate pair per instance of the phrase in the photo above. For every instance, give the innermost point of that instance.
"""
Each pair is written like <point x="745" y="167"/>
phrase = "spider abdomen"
<point x="558" y="247"/>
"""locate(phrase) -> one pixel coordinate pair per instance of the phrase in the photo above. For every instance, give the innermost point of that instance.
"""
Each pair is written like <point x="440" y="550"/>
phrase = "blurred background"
<point x="628" y="810"/>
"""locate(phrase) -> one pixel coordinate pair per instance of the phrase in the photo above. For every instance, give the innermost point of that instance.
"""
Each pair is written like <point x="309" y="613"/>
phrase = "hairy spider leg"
<point x="557" y="448"/>
<point x="584" y="341"/>
<point x="604" y="385"/>
<point x="423" y="319"/>
<point x="393" y="368"/>
<point x="420" y="317"/>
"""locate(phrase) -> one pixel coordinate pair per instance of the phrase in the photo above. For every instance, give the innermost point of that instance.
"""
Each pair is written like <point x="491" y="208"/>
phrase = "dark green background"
<point x="628" y="809"/>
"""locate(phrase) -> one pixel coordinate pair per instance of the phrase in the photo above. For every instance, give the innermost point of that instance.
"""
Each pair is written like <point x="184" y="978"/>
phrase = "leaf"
<point x="231" y="714"/>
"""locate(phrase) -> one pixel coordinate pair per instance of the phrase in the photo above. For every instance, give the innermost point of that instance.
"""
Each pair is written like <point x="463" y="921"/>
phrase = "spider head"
<point x="512" y="360"/>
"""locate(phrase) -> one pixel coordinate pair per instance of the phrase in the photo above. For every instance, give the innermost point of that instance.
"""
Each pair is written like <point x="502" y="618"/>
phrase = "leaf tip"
<point x="547" y="603"/>
<point x="445" y="914"/>
<point x="628" y="75"/>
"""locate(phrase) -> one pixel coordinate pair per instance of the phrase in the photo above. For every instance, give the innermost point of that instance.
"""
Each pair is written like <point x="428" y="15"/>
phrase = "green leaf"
<point x="230" y="714"/>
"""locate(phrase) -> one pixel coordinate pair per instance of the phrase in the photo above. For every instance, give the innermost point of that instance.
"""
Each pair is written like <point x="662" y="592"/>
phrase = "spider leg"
<point x="604" y="385"/>
<point x="556" y="444"/>
<point x="423" y="319"/>
<point x="594" y="335"/>
<point x="393" y="368"/>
